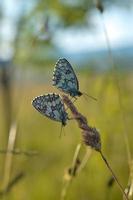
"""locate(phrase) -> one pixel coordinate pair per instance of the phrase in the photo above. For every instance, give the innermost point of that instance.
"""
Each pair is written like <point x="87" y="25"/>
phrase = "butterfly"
<point x="52" y="106"/>
<point x="65" y="79"/>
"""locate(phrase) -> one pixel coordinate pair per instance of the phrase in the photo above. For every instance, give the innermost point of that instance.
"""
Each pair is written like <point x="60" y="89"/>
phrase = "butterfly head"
<point x="79" y="93"/>
<point x="74" y="93"/>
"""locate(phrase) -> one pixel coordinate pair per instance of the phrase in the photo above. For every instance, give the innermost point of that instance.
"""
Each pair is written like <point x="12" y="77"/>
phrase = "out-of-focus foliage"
<point x="37" y="26"/>
<point x="44" y="172"/>
<point x="33" y="45"/>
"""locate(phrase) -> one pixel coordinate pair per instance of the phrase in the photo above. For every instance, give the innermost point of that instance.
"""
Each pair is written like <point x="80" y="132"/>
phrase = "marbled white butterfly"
<point x="64" y="78"/>
<point x="52" y="106"/>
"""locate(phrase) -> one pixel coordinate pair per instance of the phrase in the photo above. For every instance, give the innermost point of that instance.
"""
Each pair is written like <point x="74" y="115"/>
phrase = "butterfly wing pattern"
<point x="65" y="79"/>
<point x="51" y="106"/>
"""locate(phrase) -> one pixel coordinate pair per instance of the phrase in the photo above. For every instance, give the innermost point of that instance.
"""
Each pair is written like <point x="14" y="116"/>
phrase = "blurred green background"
<point x="33" y="36"/>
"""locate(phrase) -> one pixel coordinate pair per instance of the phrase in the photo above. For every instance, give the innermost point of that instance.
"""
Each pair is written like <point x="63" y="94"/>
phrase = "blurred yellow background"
<point x="33" y="36"/>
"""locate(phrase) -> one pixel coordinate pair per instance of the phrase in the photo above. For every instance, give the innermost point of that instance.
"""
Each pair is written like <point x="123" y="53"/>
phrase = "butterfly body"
<point x="51" y="106"/>
<point x="64" y="78"/>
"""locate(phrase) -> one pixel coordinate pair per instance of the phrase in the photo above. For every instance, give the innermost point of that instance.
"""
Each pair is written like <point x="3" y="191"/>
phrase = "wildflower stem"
<point x="9" y="157"/>
<point x="65" y="190"/>
<point x="114" y="68"/>
<point x="76" y="169"/>
<point x="71" y="175"/>
<point x="12" y="183"/>
<point x="84" y="160"/>
<point x="19" y="152"/>
<point x="76" y="154"/>
<point x="114" y="176"/>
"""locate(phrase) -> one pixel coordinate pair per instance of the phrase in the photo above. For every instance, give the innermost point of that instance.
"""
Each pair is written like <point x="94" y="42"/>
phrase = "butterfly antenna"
<point x="90" y="96"/>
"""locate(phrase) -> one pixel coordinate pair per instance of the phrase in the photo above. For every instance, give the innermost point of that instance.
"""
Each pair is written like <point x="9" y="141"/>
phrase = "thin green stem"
<point x="68" y="182"/>
<point x="19" y="152"/>
<point x="9" y="157"/>
<point x="114" y="67"/>
<point x="114" y="176"/>
<point x="65" y="190"/>
<point x="76" y="155"/>
<point x="84" y="160"/>
<point x="71" y="175"/>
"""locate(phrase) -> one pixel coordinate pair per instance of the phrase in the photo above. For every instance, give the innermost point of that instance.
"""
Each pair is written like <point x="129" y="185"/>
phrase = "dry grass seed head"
<point x="91" y="137"/>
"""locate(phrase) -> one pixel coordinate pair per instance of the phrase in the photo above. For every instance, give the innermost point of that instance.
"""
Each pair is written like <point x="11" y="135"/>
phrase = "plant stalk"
<point x="114" y="176"/>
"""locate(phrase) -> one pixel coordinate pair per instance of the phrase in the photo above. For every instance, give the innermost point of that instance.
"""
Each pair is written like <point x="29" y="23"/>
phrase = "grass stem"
<point x="114" y="68"/>
<point x="114" y="176"/>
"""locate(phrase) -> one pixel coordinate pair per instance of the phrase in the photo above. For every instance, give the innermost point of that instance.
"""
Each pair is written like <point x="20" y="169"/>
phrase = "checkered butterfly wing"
<point x="64" y="77"/>
<point x="51" y="106"/>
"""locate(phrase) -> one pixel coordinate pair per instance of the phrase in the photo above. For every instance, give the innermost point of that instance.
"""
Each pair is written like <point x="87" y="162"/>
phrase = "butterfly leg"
<point x="61" y="131"/>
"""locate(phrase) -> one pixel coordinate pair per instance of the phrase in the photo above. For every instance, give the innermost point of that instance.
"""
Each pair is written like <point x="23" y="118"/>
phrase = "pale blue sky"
<point x="119" y="23"/>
